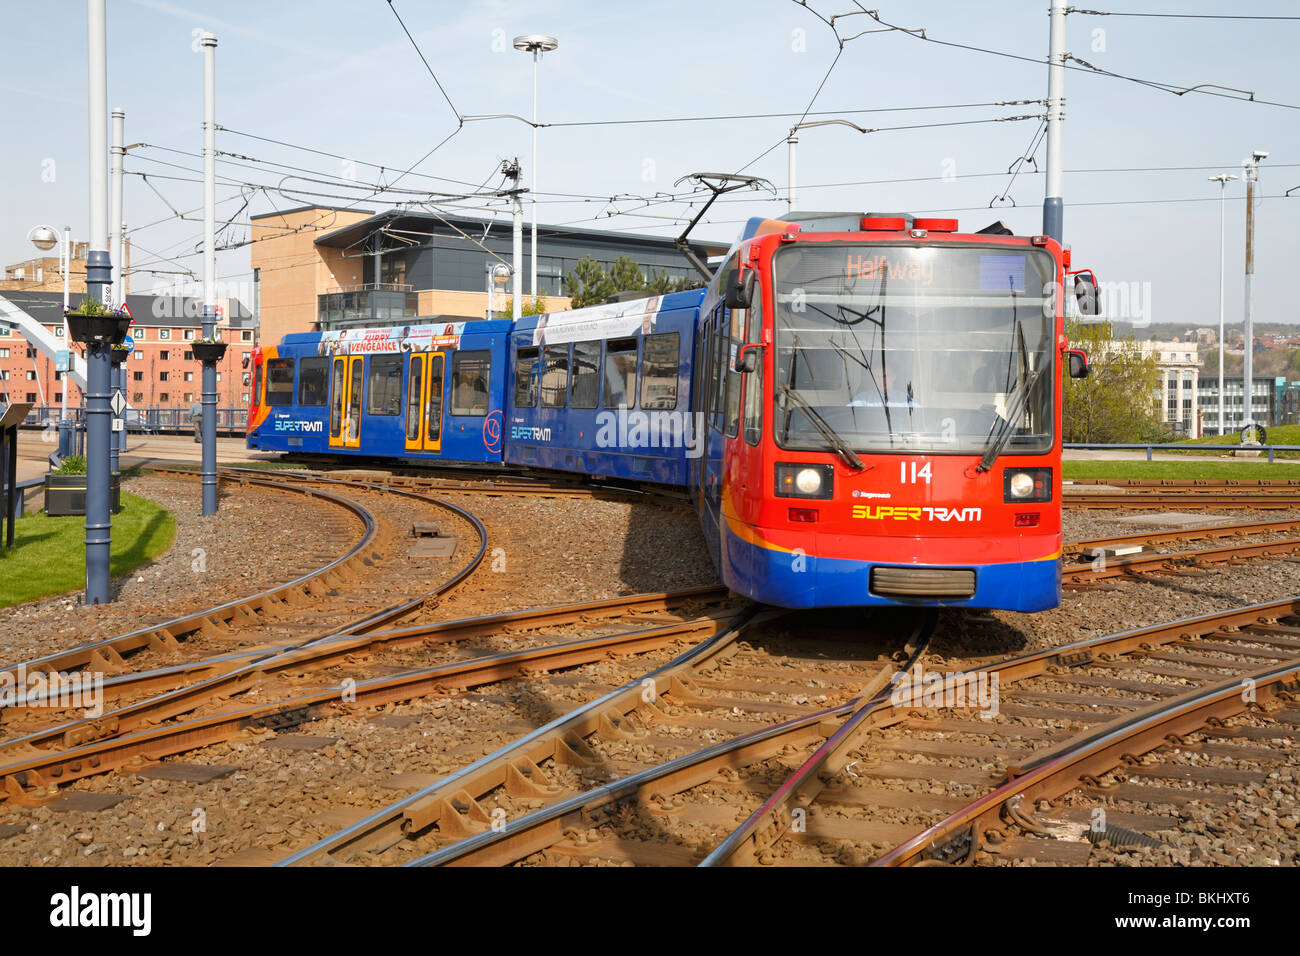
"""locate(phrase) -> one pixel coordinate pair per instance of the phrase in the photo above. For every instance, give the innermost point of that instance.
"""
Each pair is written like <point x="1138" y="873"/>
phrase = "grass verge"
<point x="49" y="554"/>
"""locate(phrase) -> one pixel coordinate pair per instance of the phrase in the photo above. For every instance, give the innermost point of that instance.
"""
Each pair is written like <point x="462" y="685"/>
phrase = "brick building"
<point x="161" y="370"/>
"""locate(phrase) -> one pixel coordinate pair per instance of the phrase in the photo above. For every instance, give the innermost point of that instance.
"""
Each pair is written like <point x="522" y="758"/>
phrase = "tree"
<point x="533" y="306"/>
<point x="1120" y="400"/>
<point x="590" y="284"/>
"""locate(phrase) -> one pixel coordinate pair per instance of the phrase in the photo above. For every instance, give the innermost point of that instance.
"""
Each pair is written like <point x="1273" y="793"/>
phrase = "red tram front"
<point x="884" y="416"/>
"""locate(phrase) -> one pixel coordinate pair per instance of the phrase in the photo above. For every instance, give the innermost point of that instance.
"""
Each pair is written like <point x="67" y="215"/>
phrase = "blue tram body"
<point x="605" y="390"/>
<point x="861" y="417"/>
<point x="421" y="392"/>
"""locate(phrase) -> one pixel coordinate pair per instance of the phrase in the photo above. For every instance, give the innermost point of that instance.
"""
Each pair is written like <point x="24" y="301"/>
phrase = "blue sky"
<point x="343" y="78"/>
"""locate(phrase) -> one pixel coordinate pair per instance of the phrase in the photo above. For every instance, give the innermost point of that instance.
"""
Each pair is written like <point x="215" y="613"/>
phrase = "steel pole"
<point x="1223" y="421"/>
<point x="67" y="341"/>
<point x="793" y="141"/>
<point x="533" y="282"/>
<point x="209" y="479"/>
<point x="1053" y="204"/>
<point x="99" y="276"/>
<point x="115" y="203"/>
<point x="117" y="371"/>
<point x="517" y="252"/>
<point x="1247" y="367"/>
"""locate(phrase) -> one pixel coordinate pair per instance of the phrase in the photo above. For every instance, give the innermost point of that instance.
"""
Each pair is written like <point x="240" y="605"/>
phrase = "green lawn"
<point x="1191" y="470"/>
<point x="49" y="554"/>
<point x="1276" y="434"/>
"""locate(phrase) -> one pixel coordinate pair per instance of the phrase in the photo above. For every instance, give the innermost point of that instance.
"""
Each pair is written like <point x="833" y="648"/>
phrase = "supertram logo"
<point x="898" y="513"/>
<point x="297" y="427"/>
<point x="529" y="433"/>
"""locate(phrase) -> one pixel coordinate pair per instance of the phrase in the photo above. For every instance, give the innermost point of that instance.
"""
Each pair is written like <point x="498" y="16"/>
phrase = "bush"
<point x="72" y="465"/>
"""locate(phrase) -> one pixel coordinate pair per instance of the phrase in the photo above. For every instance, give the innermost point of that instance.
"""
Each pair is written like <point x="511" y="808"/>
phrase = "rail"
<point x="150" y="420"/>
<point x="1149" y="447"/>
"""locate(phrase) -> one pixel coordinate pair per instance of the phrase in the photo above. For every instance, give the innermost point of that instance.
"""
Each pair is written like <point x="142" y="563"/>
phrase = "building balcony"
<point x="381" y="303"/>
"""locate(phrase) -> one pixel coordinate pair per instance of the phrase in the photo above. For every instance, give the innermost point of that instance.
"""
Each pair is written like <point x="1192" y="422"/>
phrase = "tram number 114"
<point x="917" y="474"/>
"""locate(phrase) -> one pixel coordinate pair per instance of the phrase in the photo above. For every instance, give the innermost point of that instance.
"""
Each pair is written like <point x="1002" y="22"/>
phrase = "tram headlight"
<point x="808" y="481"/>
<point x="1027" y="484"/>
<point x="804" y="481"/>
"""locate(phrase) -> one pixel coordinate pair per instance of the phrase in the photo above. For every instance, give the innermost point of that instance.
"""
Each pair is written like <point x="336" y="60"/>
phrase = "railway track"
<point x="1101" y="559"/>
<point x="684" y="721"/>
<point x="873" y="771"/>
<point x="1064" y="718"/>
<point x="352" y="677"/>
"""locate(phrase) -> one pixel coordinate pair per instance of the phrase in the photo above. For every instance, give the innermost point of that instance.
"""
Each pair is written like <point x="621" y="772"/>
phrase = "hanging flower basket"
<point x="208" y="350"/>
<point x="92" y="324"/>
<point x="118" y="354"/>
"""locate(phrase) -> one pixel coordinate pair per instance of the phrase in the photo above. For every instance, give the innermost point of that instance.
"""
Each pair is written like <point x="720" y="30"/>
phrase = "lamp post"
<point x="1252" y="176"/>
<point x="44" y="238"/>
<point x="99" y="275"/>
<point x="1222" y="179"/>
<point x="212" y="352"/>
<point x="793" y="140"/>
<point x="536" y="44"/>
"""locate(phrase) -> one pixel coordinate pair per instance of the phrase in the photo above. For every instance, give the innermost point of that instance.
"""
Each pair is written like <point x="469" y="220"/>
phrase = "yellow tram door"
<point x="346" y="378"/>
<point x="424" y="399"/>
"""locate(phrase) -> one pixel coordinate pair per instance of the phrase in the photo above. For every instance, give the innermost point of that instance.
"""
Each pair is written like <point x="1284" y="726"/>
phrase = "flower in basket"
<point x="96" y="307"/>
<point x="96" y="324"/>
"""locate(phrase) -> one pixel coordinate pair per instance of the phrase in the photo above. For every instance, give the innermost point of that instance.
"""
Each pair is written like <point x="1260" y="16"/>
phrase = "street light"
<point x="792" y="140"/>
<point x="1222" y="179"/>
<point x="536" y="44"/>
<point x="46" y="238"/>
<point x="497" y="276"/>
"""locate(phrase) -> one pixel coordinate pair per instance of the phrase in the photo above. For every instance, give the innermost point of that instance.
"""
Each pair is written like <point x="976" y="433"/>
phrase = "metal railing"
<point x="1166" y="446"/>
<point x="150" y="420"/>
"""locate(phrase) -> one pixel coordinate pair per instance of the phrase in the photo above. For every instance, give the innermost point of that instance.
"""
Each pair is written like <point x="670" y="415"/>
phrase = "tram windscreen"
<point x="914" y="348"/>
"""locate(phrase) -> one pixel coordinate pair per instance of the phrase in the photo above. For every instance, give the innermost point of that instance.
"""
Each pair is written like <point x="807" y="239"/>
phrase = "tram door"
<point x="424" y="394"/>
<point x="346" y="378"/>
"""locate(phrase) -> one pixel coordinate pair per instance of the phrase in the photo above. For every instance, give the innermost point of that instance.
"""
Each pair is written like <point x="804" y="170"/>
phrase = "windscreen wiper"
<point x="1005" y="430"/>
<point x="840" y="445"/>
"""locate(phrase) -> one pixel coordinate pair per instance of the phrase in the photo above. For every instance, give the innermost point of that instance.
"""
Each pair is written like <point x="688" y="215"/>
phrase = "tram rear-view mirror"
<point x="1085" y="293"/>
<point x="1078" y="364"/>
<point x="739" y="293"/>
<point x="748" y="360"/>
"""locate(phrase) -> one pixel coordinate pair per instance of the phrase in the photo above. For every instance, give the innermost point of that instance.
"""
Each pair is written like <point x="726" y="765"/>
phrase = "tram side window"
<point x="718" y="371"/>
<point x="620" y="373"/>
<point x="753" y="419"/>
<point x="526" y="378"/>
<point x="257" y="384"/>
<point x="384" y="385"/>
<point x="555" y="380"/>
<point x="336" y="386"/>
<point x="586" y="375"/>
<point x="279" y="381"/>
<point x="730" y="349"/>
<point x="659" y="371"/>
<point x="313" y="381"/>
<point x="470" y="374"/>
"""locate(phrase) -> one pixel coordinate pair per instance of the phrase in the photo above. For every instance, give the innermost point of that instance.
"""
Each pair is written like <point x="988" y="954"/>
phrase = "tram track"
<point x="1073" y="713"/>
<point x="846" y="773"/>
<point x="721" y="698"/>
<point x="147" y="732"/>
